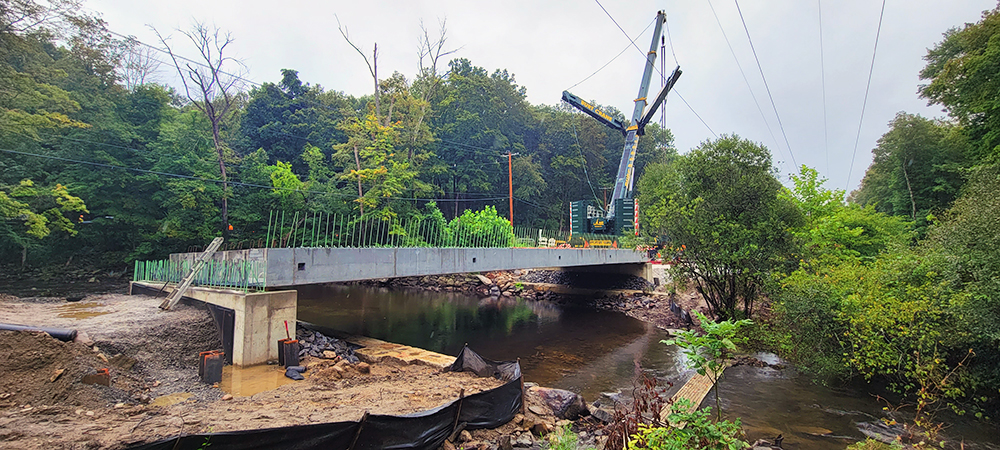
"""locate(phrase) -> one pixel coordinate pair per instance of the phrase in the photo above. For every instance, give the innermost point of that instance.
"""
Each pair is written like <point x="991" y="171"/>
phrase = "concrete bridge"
<point x="257" y="318"/>
<point x="287" y="267"/>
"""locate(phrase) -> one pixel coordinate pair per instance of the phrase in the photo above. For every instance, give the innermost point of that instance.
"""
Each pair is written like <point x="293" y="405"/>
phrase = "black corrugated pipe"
<point x="63" y="334"/>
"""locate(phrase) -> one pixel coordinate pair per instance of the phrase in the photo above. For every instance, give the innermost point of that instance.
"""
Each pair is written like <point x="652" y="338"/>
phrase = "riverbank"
<point x="154" y="391"/>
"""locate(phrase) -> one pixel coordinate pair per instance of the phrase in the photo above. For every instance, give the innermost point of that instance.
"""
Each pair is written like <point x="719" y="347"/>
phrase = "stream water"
<point x="593" y="352"/>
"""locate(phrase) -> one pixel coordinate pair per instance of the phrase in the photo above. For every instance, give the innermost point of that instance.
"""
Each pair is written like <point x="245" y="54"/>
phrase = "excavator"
<point x="622" y="214"/>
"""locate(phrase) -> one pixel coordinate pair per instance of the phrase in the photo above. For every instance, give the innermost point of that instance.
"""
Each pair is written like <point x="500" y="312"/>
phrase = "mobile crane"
<point x="622" y="214"/>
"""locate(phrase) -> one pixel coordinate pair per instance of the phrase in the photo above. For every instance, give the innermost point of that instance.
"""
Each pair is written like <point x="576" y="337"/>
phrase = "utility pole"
<point x="510" y="183"/>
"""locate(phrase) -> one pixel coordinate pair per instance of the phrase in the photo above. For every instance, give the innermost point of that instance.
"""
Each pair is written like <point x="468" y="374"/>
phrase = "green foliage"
<point x="561" y="439"/>
<point x="484" y="228"/>
<point x="916" y="169"/>
<point x="707" y="353"/>
<point x="688" y="430"/>
<point x="721" y="201"/>
<point x="872" y="444"/>
<point x="962" y="71"/>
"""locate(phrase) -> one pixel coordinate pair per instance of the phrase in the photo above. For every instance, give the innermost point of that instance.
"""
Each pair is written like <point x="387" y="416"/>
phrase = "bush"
<point x="698" y="432"/>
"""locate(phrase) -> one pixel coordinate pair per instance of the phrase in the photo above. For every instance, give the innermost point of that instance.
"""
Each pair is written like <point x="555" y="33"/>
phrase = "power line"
<point x="822" y="69"/>
<point x="746" y="80"/>
<point x="766" y="87"/>
<point x="656" y="68"/>
<point x="864" y="104"/>
<point x="616" y="56"/>
<point x="231" y="183"/>
<point x="695" y="113"/>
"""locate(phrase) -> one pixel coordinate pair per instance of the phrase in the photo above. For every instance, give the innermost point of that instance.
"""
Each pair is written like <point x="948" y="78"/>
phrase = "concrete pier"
<point x="259" y="317"/>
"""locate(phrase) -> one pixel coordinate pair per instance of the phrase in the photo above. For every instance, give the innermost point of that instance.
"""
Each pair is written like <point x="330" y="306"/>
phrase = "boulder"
<point x="564" y="404"/>
<point x="484" y="280"/>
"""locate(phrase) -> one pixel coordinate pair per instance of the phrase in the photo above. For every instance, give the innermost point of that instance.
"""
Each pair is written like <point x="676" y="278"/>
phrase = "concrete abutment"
<point x="259" y="317"/>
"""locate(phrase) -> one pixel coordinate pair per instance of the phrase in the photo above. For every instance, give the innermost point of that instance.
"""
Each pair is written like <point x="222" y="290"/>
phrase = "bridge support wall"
<point x="259" y="317"/>
<point x="644" y="270"/>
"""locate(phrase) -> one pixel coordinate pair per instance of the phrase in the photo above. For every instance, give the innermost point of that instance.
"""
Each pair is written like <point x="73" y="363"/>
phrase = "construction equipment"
<point x="185" y="283"/>
<point x="622" y="213"/>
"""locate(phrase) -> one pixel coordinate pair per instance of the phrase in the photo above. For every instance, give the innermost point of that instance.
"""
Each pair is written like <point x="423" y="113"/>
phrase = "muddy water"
<point x="591" y="352"/>
<point x="247" y="381"/>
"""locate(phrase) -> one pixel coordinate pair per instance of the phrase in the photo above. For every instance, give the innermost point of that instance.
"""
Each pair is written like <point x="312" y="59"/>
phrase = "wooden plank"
<point x="185" y="283"/>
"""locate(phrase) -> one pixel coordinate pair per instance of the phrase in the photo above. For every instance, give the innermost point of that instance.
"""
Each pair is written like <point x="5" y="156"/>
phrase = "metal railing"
<point x="238" y="275"/>
<point x="320" y="229"/>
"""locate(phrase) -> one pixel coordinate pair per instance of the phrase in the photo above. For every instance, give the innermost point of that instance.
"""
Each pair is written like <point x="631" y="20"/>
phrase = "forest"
<point x="100" y="165"/>
<point x="897" y="282"/>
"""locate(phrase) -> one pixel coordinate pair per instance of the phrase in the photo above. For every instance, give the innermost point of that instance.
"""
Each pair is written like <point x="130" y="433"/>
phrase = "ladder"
<point x="185" y="283"/>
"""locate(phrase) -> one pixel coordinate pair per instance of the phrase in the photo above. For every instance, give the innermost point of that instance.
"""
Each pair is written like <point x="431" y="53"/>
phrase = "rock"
<point x="505" y="443"/>
<point x="605" y="415"/>
<point x="227" y="397"/>
<point x="83" y="338"/>
<point x="363" y="367"/>
<point x="119" y="405"/>
<point x="524" y="440"/>
<point x="539" y="410"/>
<point x="55" y="376"/>
<point x="565" y="404"/>
<point x="541" y="428"/>
<point x="447" y="446"/>
<point x="327" y="354"/>
<point x="464" y="436"/>
<point x="484" y="280"/>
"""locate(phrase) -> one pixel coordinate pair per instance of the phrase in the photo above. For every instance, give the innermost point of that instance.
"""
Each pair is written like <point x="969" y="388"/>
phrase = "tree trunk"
<point x="225" y="183"/>
<point x="913" y="204"/>
<point x="361" y="194"/>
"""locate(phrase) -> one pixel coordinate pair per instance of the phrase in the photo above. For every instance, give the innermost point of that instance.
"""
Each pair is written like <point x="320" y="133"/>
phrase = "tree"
<point x="721" y="202"/>
<point x="377" y="166"/>
<point x="962" y="70"/>
<point x="30" y="214"/>
<point x="211" y="89"/>
<point x="916" y="168"/>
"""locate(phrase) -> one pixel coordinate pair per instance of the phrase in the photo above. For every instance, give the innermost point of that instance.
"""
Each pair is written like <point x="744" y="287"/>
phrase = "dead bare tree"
<point x="430" y="53"/>
<point x="372" y="65"/>
<point x="210" y="88"/>
<point x="138" y="64"/>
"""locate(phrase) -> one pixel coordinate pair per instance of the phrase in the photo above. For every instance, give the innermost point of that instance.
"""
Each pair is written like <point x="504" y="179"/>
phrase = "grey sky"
<point x="551" y="45"/>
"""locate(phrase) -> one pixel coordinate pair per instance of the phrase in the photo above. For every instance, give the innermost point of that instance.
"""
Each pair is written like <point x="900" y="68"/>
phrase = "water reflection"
<point x="590" y="352"/>
<point x="574" y="348"/>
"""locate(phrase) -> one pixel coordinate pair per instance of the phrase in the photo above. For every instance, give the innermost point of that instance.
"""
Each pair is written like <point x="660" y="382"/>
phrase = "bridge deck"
<point x="298" y="266"/>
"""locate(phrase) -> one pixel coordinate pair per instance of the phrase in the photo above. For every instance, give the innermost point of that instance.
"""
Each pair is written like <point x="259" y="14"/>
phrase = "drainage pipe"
<point x="63" y="334"/>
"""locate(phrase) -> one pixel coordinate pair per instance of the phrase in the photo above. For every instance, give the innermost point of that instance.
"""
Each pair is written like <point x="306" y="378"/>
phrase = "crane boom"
<point x="626" y="172"/>
<point x="621" y="214"/>
<point x="594" y="112"/>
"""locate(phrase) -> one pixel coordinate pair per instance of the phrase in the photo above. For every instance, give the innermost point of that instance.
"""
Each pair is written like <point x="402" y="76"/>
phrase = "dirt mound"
<point x="40" y="370"/>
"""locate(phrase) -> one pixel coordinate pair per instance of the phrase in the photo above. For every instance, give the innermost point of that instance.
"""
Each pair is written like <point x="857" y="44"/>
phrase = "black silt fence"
<point x="421" y="430"/>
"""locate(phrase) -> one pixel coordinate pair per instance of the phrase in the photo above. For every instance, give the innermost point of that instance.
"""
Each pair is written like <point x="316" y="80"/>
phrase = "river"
<point x="593" y="352"/>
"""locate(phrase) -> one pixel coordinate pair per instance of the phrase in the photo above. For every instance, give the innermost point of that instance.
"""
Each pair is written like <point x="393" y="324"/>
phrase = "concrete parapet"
<point x="259" y="318"/>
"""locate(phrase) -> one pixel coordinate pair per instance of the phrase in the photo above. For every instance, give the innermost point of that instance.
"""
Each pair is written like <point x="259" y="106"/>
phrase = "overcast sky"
<point x="552" y="45"/>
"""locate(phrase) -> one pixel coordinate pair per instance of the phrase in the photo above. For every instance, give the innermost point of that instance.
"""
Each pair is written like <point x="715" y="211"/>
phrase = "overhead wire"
<point x="585" y="172"/>
<point x="822" y="70"/>
<point x="745" y="79"/>
<point x="864" y="104"/>
<point x="656" y="68"/>
<point x="231" y="183"/>
<point x="616" y="56"/>
<point x="766" y="87"/>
